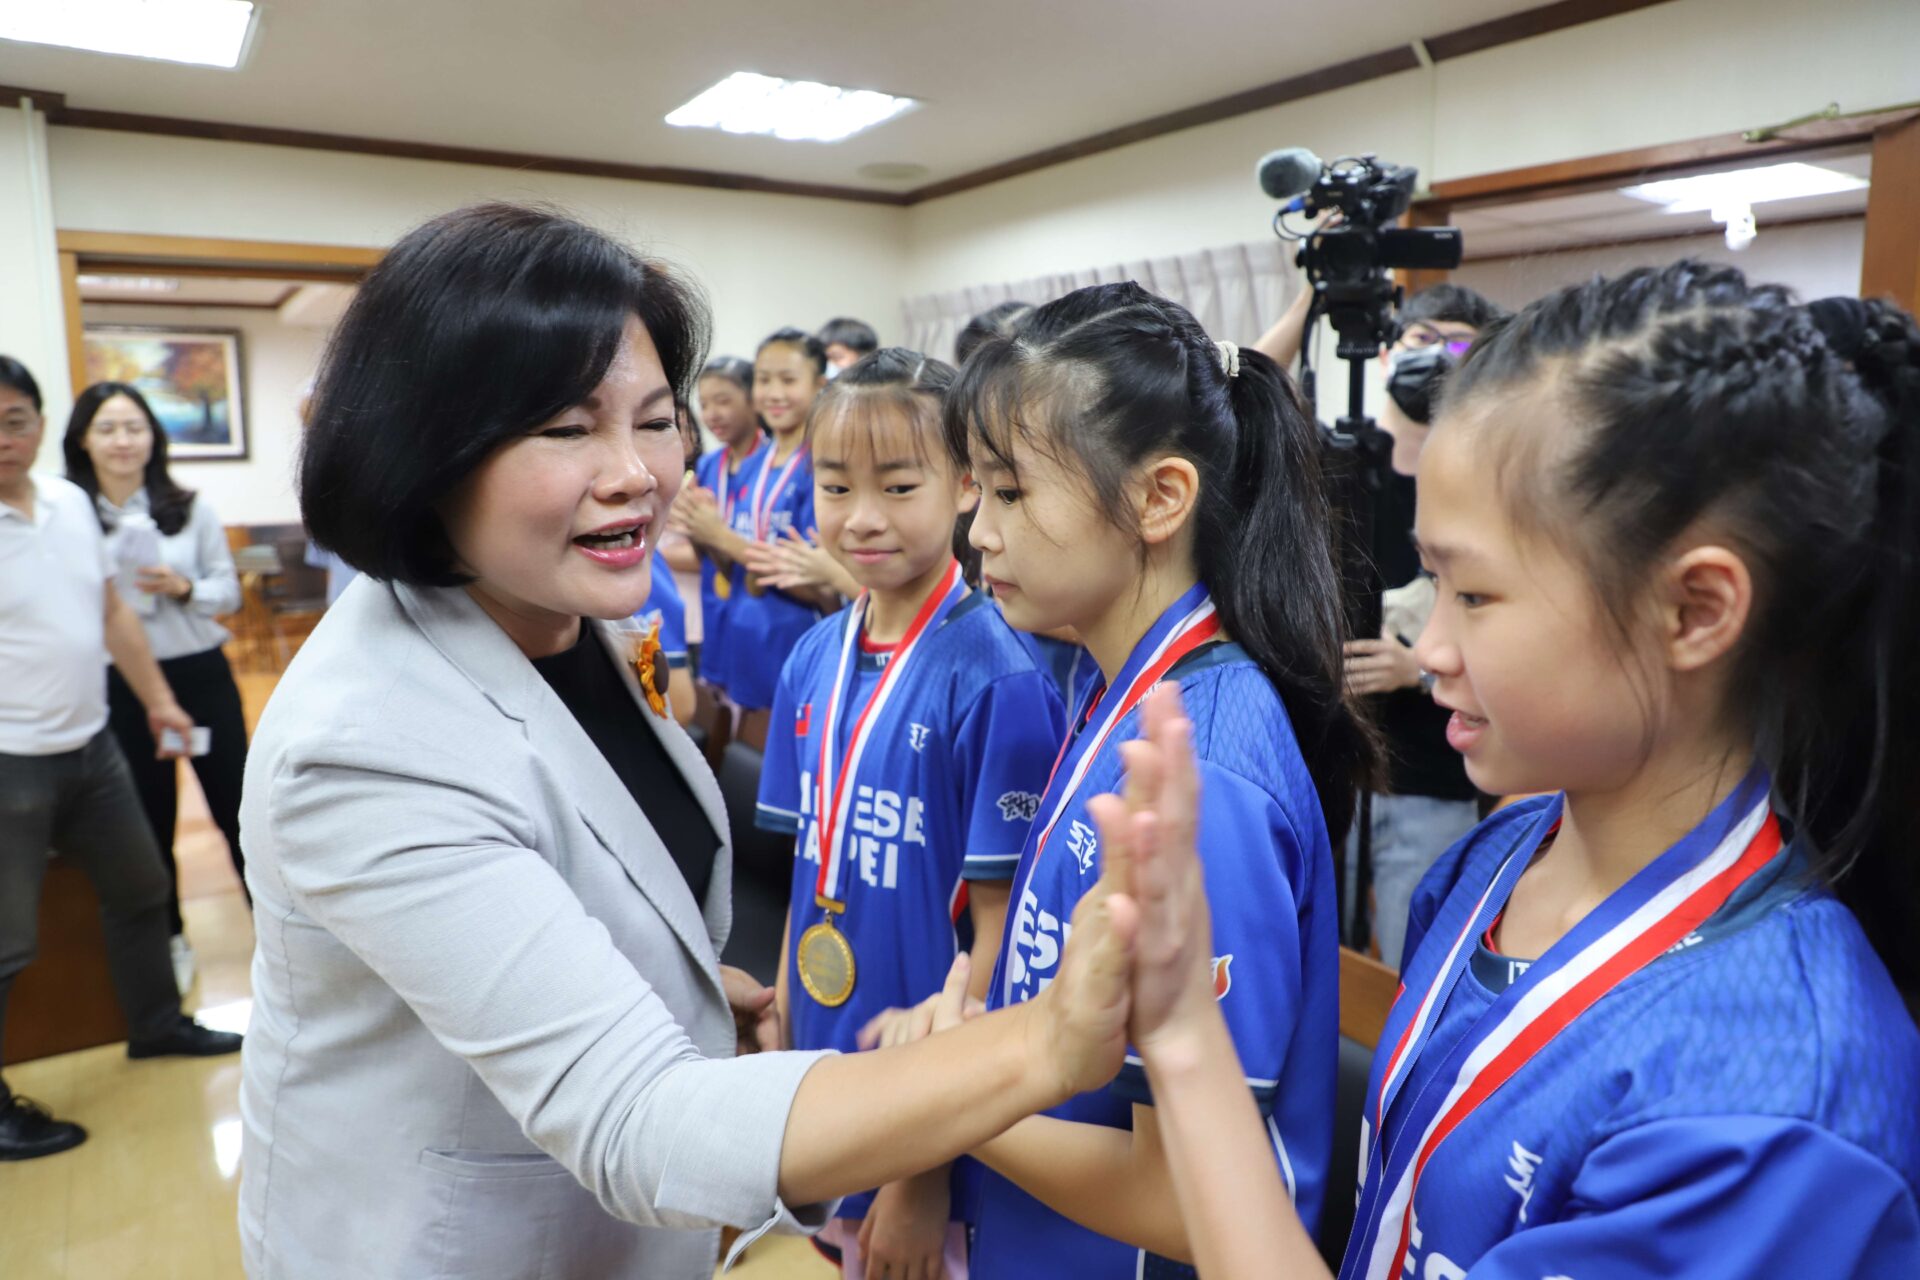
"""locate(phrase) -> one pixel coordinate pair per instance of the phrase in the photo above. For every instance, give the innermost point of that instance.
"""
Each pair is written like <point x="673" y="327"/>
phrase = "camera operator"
<point x="1428" y="802"/>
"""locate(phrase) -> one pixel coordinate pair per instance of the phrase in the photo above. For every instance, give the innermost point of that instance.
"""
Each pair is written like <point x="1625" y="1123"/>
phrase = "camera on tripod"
<point x="1347" y="258"/>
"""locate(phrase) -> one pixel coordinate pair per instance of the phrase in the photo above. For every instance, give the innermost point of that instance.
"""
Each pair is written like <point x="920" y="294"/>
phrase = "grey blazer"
<point x="489" y="1039"/>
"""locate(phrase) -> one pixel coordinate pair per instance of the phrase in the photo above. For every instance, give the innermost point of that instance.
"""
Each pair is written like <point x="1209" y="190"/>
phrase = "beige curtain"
<point x="1235" y="292"/>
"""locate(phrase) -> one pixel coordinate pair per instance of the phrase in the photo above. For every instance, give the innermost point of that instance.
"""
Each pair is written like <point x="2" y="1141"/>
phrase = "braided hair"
<point x="1693" y="395"/>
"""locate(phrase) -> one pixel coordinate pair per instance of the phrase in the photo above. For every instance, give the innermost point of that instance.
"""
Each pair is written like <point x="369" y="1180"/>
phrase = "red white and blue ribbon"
<point x="1654" y="912"/>
<point x="763" y="509"/>
<point x="1190" y="622"/>
<point x="832" y="796"/>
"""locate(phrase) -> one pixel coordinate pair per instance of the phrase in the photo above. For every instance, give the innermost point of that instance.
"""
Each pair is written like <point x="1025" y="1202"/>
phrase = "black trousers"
<point x="82" y="803"/>
<point x="203" y="685"/>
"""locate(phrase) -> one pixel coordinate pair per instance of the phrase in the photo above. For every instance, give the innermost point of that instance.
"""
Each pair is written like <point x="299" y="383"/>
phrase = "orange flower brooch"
<point x="650" y="668"/>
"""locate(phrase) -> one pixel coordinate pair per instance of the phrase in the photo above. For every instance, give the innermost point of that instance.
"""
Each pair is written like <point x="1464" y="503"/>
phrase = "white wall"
<point x="276" y="360"/>
<point x="1817" y="260"/>
<point x="765" y="261"/>
<point x="1676" y="71"/>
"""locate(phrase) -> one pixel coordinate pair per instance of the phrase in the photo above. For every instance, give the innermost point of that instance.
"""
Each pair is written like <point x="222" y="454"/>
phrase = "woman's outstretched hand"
<point x="1149" y="843"/>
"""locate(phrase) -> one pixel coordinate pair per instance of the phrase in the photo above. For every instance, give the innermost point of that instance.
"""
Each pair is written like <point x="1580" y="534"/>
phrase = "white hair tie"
<point x="1229" y="358"/>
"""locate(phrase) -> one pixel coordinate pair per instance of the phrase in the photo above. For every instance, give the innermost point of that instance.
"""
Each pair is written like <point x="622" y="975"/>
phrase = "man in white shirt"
<point x="63" y="783"/>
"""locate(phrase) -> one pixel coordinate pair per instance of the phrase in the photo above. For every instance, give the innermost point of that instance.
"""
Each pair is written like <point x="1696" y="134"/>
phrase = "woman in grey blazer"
<point x="491" y="877"/>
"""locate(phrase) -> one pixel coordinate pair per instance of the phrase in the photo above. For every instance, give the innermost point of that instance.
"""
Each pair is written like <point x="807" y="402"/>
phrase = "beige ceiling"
<point x="591" y="79"/>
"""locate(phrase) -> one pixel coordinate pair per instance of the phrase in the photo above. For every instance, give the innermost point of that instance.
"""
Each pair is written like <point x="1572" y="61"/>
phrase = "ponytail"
<point x="1868" y="710"/>
<point x="1266" y="554"/>
<point x="1125" y="376"/>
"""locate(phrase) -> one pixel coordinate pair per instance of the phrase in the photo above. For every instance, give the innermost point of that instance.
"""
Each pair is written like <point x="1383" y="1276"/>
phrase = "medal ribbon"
<point x="763" y="511"/>
<point x="729" y="493"/>
<point x="1651" y="914"/>
<point x="832" y="795"/>
<point x="1188" y="624"/>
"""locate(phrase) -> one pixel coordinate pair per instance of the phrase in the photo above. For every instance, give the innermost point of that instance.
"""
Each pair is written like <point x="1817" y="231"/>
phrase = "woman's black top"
<point x="586" y="680"/>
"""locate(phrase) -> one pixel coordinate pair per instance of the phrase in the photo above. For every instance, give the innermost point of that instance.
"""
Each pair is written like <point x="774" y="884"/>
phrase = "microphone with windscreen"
<point x="1288" y="173"/>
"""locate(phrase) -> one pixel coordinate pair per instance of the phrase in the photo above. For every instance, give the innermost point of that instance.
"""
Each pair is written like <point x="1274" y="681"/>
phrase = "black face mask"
<point x="1417" y="376"/>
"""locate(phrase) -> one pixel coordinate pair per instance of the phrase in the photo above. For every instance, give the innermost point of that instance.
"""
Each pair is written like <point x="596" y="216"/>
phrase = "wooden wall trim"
<point x="224" y="271"/>
<point x="1890" y="262"/>
<point x="1453" y="44"/>
<point x="1570" y="177"/>
<point x="146" y="251"/>
<point x="174" y="127"/>
<point x="1374" y="66"/>
<point x="76" y="331"/>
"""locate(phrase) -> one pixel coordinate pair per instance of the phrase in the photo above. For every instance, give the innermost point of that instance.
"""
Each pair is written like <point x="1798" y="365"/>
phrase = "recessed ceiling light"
<point x="1738" y="187"/>
<point x="208" y="33"/>
<point x="796" y="110"/>
<point x="130" y="284"/>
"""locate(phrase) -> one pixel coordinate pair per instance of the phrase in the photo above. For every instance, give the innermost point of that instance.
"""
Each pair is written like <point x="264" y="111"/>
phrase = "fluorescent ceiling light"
<point x="1744" y="187"/>
<point x="797" y="110"/>
<point x="134" y="284"/>
<point x="204" y="32"/>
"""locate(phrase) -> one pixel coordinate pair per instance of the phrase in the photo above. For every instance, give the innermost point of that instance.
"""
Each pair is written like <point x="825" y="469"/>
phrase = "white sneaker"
<point x="182" y="952"/>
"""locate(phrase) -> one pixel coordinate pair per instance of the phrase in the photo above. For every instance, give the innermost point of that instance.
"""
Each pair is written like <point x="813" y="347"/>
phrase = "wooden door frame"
<point x="1891" y="261"/>
<point x="203" y="256"/>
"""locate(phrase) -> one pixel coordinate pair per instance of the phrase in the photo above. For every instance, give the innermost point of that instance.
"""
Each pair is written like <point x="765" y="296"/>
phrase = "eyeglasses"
<point x="1420" y="334"/>
<point x="18" y="426"/>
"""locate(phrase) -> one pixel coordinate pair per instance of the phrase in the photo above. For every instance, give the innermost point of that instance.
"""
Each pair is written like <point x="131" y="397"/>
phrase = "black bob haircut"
<point x="475" y="328"/>
<point x="15" y="375"/>
<point x="1453" y="304"/>
<point x="856" y="336"/>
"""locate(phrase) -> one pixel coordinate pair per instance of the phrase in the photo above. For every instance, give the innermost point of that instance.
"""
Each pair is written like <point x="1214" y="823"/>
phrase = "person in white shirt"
<point x="176" y="573"/>
<point x="63" y="782"/>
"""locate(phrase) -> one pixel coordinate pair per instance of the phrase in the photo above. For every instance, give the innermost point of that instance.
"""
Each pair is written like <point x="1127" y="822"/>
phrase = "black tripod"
<point x="1357" y="454"/>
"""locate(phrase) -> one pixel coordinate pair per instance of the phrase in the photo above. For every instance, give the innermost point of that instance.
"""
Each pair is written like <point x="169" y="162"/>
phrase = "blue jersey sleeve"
<point x="1253" y="859"/>
<point x="666" y="602"/>
<point x="1004" y="747"/>
<point x="779" y="805"/>
<point x="1721" y="1196"/>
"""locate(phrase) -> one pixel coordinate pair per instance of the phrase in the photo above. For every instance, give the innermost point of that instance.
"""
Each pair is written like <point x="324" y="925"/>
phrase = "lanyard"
<point x="832" y="796"/>
<point x="1184" y="627"/>
<point x="763" y="511"/>
<point x="1647" y="917"/>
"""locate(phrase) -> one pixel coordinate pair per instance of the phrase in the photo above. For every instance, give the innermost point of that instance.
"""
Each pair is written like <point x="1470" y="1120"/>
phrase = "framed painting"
<point x="191" y="377"/>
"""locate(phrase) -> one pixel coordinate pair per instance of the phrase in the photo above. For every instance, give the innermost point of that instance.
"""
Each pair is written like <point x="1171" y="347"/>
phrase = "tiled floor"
<point x="151" y="1194"/>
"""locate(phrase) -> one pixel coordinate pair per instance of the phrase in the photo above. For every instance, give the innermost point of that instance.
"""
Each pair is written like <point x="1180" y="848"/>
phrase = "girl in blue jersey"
<point x="1160" y="494"/>
<point x="1650" y="1025"/>
<point x="712" y="512"/>
<point x="912" y="736"/>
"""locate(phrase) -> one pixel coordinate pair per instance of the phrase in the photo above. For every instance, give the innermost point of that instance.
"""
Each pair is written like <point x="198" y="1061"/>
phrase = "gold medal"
<point x="722" y="584"/>
<point x="753" y="586"/>
<point x="826" y="963"/>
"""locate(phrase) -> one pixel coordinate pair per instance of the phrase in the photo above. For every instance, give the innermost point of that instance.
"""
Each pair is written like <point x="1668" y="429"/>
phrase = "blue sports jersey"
<point x="945" y="793"/>
<point x="1746" y="1104"/>
<point x="1070" y="665"/>
<point x="1269" y="876"/>
<point x="762" y="629"/>
<point x="665" y="607"/>
<point x="713" y="610"/>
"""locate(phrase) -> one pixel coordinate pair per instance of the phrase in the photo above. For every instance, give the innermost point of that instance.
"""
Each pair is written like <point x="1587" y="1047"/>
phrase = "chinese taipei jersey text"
<point x="945" y="789"/>
<point x="762" y="629"/>
<point x="1709" y="1076"/>
<point x="711" y="471"/>
<point x="1269" y="877"/>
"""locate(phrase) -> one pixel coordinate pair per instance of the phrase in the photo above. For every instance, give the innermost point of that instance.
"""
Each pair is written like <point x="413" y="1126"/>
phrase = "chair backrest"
<point x="1343" y="1170"/>
<point x="762" y="857"/>
<point x="1367" y="991"/>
